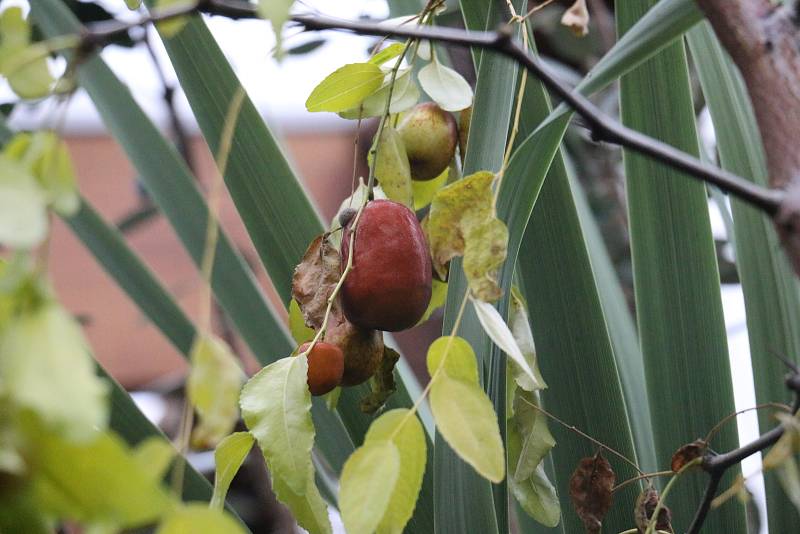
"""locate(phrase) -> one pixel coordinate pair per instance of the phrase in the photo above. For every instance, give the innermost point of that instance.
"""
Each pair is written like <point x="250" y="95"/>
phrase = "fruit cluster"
<point x="388" y="287"/>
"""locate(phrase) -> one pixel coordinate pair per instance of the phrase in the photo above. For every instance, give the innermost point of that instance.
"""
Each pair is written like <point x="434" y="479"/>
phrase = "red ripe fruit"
<point x="325" y="367"/>
<point x="389" y="287"/>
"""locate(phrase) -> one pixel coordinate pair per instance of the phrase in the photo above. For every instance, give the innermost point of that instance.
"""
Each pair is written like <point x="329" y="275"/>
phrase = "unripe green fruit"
<point x="389" y="287"/>
<point x="430" y="135"/>
<point x="325" y="367"/>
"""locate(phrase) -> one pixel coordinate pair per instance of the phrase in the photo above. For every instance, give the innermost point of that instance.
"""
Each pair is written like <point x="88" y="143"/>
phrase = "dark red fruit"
<point x="325" y="367"/>
<point x="389" y="287"/>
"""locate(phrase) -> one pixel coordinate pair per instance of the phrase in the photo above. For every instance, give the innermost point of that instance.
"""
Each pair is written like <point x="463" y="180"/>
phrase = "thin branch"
<point x="603" y="127"/>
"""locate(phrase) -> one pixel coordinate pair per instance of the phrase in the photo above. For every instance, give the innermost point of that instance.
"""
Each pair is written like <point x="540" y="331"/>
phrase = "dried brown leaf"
<point x="576" y="18"/>
<point x="645" y="507"/>
<point x="382" y="384"/>
<point x="687" y="453"/>
<point x="315" y="278"/>
<point x="362" y="348"/>
<point x="590" y="489"/>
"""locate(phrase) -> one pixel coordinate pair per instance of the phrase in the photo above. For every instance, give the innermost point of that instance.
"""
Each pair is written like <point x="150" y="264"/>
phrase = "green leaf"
<point x="277" y="12"/>
<point x="300" y="332"/>
<point x="392" y="168"/>
<point x="445" y="86"/>
<point x="465" y="417"/>
<point x="536" y="440"/>
<point x="23" y="207"/>
<point x="100" y="481"/>
<point x="46" y="367"/>
<point x="462" y="222"/>
<point x="308" y="509"/>
<point x="425" y="191"/>
<point x="390" y="52"/>
<point x="228" y="458"/>
<point x="345" y="88"/>
<point x="23" y="64"/>
<point x="521" y="330"/>
<point x="172" y="27"/>
<point x="497" y="329"/>
<point x="367" y="484"/>
<point x="404" y="96"/>
<point x="460" y="360"/>
<point x="213" y="388"/>
<point x="679" y="310"/>
<point x="276" y="406"/>
<point x="154" y="455"/>
<point x="197" y="517"/>
<point x="403" y="429"/>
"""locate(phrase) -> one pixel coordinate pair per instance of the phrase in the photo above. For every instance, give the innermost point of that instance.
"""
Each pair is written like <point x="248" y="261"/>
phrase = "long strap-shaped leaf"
<point x="676" y="281"/>
<point x="770" y="289"/>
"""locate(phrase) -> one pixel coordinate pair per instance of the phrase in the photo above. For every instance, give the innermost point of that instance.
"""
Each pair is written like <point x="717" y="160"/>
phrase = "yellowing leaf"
<point x="462" y="222"/>
<point x="445" y="86"/>
<point x="213" y="388"/>
<point x="392" y="168"/>
<point x="438" y="299"/>
<point x="402" y="428"/>
<point x="47" y="368"/>
<point x="367" y="484"/>
<point x="197" y="517"/>
<point x="465" y="417"/>
<point x="276" y="407"/>
<point x="425" y="190"/>
<point x="390" y="52"/>
<point x="496" y="328"/>
<point x="308" y="509"/>
<point x="297" y="325"/>
<point x="96" y="482"/>
<point x="23" y="63"/>
<point x="23" y="207"/>
<point x="345" y="88"/>
<point x="460" y="362"/>
<point x="228" y="458"/>
<point x="154" y="456"/>
<point x="171" y="27"/>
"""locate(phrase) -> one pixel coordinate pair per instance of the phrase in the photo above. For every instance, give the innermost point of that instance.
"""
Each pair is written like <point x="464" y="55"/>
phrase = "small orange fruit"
<point x="325" y="367"/>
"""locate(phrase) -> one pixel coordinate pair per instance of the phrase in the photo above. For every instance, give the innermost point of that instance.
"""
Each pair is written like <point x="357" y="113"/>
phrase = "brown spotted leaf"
<point x="314" y="279"/>
<point x="687" y="453"/>
<point x="590" y="491"/>
<point x="645" y="507"/>
<point x="382" y="384"/>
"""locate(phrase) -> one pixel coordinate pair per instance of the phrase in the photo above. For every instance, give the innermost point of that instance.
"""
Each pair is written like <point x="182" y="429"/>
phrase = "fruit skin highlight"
<point x="325" y="367"/>
<point x="430" y="135"/>
<point x="389" y="286"/>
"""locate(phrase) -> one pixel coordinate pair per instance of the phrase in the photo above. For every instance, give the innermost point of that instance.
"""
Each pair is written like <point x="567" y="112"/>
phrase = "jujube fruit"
<point x="325" y="367"/>
<point x="389" y="286"/>
<point x="430" y="135"/>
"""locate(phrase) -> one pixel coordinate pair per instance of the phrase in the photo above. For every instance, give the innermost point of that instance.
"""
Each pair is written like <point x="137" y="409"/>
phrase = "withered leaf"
<point x="645" y="507"/>
<point x="590" y="491"/>
<point x="382" y="384"/>
<point x="363" y="348"/>
<point x="687" y="453"/>
<point x="314" y="279"/>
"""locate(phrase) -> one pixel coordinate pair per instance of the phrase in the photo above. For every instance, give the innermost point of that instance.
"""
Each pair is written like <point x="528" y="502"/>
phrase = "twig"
<point x="603" y="127"/>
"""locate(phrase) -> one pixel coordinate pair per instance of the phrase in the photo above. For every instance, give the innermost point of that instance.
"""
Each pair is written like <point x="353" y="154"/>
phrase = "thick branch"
<point x="603" y="126"/>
